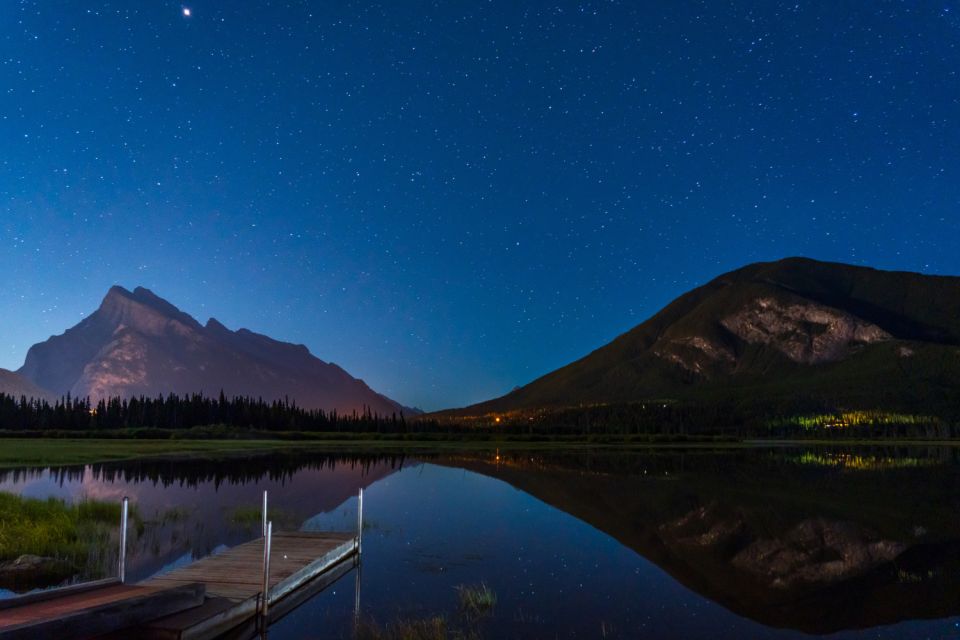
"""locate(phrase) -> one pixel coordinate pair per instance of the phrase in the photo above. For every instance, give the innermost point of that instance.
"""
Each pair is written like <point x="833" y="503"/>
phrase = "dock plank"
<point x="237" y="572"/>
<point x="300" y="561"/>
<point x="98" y="611"/>
<point x="202" y="600"/>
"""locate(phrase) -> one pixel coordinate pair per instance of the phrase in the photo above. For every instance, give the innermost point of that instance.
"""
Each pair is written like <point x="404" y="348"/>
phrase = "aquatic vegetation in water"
<point x="74" y="538"/>
<point x="433" y="628"/>
<point x="252" y="516"/>
<point x="476" y="601"/>
<point x="172" y="515"/>
<point x="426" y="629"/>
<point x="52" y="527"/>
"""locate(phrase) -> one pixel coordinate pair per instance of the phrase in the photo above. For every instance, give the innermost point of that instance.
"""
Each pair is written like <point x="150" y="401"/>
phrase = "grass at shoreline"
<point x="38" y="452"/>
<point x="52" y="527"/>
<point x="15" y="452"/>
<point x="44" y="543"/>
<point x="41" y="452"/>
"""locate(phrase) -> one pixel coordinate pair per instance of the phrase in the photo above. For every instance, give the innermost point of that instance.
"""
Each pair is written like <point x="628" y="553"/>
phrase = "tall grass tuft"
<point x="74" y="533"/>
<point x="433" y="628"/>
<point x="420" y="629"/>
<point x="250" y="516"/>
<point x="476" y="601"/>
<point x="97" y="511"/>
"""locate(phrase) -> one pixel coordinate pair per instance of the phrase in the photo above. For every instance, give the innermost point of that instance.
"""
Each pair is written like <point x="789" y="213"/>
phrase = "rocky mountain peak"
<point x="213" y="323"/>
<point x="143" y="311"/>
<point x="137" y="343"/>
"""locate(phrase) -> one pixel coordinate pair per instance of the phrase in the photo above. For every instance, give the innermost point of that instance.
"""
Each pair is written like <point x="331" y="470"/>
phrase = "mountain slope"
<point x="829" y="331"/>
<point x="136" y="343"/>
<point x="13" y="384"/>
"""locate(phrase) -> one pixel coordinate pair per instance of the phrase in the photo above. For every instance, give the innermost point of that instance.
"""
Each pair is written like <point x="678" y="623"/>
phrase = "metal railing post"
<point x="263" y="531"/>
<point x="267" y="539"/>
<point x="124" y="511"/>
<point x="356" y="597"/>
<point x="360" y="522"/>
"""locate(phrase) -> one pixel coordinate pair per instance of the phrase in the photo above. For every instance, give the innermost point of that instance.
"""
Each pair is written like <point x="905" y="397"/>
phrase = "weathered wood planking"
<point x="94" y="612"/>
<point x="202" y="600"/>
<point x="60" y="592"/>
<point x="237" y="573"/>
<point x="218" y="617"/>
<point x="233" y="579"/>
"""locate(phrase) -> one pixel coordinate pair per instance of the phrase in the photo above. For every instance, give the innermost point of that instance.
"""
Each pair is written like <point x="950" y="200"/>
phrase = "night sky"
<point x="450" y="199"/>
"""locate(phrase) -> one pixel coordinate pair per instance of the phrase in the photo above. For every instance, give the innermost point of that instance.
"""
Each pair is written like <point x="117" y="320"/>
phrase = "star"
<point x="186" y="12"/>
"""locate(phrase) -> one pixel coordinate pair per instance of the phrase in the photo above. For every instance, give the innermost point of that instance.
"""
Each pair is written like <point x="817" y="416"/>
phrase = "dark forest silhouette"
<point x="186" y="412"/>
<point x="222" y="417"/>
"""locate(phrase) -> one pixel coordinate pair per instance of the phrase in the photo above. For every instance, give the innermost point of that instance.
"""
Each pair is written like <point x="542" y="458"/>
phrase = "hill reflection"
<point x="818" y="540"/>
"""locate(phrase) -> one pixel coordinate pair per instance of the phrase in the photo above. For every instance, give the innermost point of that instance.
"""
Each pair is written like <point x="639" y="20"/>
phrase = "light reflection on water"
<point x="191" y="508"/>
<point x="657" y="544"/>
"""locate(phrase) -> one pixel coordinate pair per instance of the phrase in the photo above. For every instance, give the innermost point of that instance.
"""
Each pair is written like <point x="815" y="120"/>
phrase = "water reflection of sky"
<point x="185" y="520"/>
<point x="430" y="528"/>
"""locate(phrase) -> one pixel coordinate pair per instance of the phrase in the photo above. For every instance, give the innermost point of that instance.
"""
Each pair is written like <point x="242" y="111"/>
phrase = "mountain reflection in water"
<point x="189" y="508"/>
<point x="816" y="540"/>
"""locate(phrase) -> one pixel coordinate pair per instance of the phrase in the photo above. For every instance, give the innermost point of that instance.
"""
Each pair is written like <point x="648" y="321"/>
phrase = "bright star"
<point x="186" y="12"/>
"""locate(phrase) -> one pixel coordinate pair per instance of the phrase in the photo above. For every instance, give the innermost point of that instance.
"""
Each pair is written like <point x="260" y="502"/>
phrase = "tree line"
<point x="728" y="418"/>
<point x="175" y="412"/>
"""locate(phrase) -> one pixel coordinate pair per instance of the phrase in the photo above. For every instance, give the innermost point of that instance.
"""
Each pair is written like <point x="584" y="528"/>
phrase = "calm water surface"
<point x="760" y="543"/>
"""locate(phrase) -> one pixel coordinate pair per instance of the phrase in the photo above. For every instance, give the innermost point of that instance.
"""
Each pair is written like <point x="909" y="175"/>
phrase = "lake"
<point x="764" y="542"/>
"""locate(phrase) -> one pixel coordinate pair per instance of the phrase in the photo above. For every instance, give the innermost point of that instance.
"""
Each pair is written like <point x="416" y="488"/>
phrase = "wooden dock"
<point x="233" y="583"/>
<point x="217" y="595"/>
<point x="86" y="613"/>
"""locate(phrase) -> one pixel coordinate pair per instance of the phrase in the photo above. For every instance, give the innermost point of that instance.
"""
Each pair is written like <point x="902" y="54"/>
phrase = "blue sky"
<point x="450" y="199"/>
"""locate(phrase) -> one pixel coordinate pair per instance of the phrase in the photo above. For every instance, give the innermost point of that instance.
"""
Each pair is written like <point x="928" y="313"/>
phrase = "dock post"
<point x="124" y="511"/>
<point x="266" y="574"/>
<point x="264" y="528"/>
<point x="360" y="521"/>
<point x="356" y="597"/>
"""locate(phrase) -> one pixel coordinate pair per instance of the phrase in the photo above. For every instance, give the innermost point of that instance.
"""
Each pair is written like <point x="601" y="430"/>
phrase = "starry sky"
<point x="452" y="198"/>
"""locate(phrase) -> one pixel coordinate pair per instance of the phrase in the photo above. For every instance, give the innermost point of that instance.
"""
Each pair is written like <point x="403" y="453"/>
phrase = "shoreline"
<point x="61" y="452"/>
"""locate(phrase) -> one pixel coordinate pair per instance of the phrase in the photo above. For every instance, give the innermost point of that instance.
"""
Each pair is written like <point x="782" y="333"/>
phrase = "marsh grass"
<point x="39" y="452"/>
<point x="250" y="516"/>
<point x="98" y="511"/>
<point x="476" y="601"/>
<point x="434" y="628"/>
<point x="172" y="515"/>
<point x="246" y="516"/>
<point x="424" y="629"/>
<point x="81" y="535"/>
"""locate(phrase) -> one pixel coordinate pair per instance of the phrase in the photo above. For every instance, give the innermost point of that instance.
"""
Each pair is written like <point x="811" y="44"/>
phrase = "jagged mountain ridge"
<point x="137" y="343"/>
<point x="796" y="326"/>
